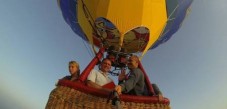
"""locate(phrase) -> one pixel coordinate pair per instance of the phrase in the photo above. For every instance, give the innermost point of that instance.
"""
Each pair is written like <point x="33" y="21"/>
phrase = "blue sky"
<point x="36" y="45"/>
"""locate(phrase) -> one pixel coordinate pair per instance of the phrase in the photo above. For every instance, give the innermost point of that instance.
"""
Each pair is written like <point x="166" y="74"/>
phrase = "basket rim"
<point x="80" y="86"/>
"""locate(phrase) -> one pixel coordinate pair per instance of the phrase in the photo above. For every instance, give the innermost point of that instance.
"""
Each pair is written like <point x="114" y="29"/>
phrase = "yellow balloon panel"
<point x="125" y="15"/>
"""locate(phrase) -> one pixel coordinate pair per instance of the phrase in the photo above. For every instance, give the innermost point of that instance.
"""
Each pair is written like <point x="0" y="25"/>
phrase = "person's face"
<point x="105" y="66"/>
<point x="132" y="63"/>
<point x="73" y="69"/>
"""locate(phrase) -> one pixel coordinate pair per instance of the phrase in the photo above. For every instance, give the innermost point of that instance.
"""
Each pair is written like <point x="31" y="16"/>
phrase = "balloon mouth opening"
<point x="135" y="40"/>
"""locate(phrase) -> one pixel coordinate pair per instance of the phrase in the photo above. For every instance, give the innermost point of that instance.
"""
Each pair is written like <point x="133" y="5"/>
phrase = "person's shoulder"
<point x="68" y="77"/>
<point x="94" y="71"/>
<point x="137" y="70"/>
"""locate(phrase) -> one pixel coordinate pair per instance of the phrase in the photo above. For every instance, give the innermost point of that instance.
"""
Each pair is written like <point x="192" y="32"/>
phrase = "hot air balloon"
<point x="119" y="28"/>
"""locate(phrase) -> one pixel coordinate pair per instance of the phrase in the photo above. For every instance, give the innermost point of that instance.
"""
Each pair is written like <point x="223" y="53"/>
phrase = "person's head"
<point x="74" y="68"/>
<point x="133" y="62"/>
<point x="105" y="65"/>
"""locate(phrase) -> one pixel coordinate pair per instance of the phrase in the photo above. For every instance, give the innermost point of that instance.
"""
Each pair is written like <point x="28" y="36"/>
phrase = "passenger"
<point x="134" y="84"/>
<point x="74" y="70"/>
<point x="99" y="78"/>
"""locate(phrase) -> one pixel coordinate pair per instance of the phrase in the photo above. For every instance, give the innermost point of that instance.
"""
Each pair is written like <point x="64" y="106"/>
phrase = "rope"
<point x="92" y="24"/>
<point x="88" y="50"/>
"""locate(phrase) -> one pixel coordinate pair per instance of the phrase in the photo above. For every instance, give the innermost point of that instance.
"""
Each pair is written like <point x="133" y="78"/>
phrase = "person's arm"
<point x="131" y="82"/>
<point x="156" y="89"/>
<point x="92" y="84"/>
<point x="158" y="92"/>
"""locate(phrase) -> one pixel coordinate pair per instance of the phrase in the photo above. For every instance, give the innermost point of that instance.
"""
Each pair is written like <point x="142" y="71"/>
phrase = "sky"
<point x="36" y="45"/>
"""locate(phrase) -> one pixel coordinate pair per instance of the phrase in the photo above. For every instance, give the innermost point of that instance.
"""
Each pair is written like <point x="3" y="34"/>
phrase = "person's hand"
<point x="160" y="97"/>
<point x="122" y="75"/>
<point x="108" y="90"/>
<point x="118" y="89"/>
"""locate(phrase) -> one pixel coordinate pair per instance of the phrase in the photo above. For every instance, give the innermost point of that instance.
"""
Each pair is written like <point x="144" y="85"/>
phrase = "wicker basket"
<point x="69" y="95"/>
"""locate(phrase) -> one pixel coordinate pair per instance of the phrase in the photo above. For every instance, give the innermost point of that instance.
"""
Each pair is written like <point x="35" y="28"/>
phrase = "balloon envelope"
<point x="129" y="25"/>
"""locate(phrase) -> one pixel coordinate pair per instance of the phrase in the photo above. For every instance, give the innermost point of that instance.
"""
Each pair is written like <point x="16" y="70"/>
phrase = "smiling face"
<point x="105" y="65"/>
<point x="133" y="62"/>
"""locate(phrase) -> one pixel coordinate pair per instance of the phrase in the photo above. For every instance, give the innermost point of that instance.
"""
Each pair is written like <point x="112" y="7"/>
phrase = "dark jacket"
<point x="134" y="85"/>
